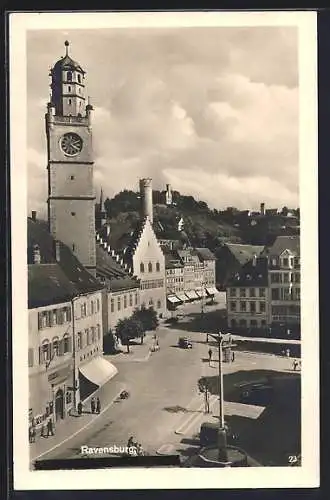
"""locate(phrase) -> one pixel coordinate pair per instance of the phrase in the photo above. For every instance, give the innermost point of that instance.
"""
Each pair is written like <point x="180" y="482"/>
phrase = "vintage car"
<point x="185" y="343"/>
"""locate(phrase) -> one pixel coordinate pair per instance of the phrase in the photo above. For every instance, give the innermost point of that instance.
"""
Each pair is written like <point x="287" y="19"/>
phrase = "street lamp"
<point x="222" y="437"/>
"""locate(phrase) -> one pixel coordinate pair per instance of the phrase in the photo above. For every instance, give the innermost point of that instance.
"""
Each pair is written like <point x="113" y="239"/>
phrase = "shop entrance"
<point x="59" y="404"/>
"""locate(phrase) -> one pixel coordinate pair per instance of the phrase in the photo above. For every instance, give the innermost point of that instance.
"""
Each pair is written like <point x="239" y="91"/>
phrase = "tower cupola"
<point x="68" y="86"/>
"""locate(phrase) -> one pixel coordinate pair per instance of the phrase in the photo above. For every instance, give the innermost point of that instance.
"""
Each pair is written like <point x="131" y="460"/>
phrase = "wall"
<point x="149" y="251"/>
<point x="256" y="318"/>
<point x="174" y="280"/>
<point x="116" y="314"/>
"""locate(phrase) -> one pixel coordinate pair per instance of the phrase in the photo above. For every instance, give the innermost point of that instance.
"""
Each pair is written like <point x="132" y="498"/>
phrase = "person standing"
<point x="98" y="405"/>
<point x="50" y="428"/>
<point x="79" y="408"/>
<point x="233" y="356"/>
<point x="210" y="356"/>
<point x="93" y="405"/>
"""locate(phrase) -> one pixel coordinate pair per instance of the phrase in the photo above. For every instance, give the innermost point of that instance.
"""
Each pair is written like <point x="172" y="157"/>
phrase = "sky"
<point x="213" y="111"/>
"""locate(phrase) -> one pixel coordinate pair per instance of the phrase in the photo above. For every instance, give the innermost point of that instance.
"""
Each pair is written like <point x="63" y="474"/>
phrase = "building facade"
<point x="248" y="296"/>
<point x="284" y="281"/>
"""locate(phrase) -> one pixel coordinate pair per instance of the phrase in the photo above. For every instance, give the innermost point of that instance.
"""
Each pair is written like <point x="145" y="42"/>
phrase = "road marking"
<point x="92" y="421"/>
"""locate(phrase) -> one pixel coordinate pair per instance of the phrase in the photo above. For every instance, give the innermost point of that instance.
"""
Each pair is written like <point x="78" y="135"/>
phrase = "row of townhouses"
<point x="265" y="291"/>
<point x="84" y="278"/>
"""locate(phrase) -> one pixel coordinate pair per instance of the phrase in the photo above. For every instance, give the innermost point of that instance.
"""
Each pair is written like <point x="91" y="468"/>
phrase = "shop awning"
<point x="211" y="291"/>
<point x="98" y="370"/>
<point x="173" y="299"/>
<point x="181" y="296"/>
<point x="201" y="293"/>
<point x="191" y="294"/>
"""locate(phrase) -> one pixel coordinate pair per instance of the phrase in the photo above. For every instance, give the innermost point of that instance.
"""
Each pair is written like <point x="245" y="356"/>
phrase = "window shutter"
<point x="69" y="314"/>
<point x="61" y="348"/>
<point x="69" y="344"/>
<point x="40" y="356"/>
<point x="50" y="351"/>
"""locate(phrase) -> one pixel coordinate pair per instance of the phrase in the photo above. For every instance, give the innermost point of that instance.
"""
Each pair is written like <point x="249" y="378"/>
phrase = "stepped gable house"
<point x="136" y="248"/>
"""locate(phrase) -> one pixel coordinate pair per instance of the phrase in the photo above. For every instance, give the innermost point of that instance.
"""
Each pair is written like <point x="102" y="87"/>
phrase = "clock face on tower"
<point x="71" y="144"/>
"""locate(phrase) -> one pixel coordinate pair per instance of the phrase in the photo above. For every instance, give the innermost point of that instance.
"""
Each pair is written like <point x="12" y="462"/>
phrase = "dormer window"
<point x="79" y="78"/>
<point x="150" y="267"/>
<point x="69" y="76"/>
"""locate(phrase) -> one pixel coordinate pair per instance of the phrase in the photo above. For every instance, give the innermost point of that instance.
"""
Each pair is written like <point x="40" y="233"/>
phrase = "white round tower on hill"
<point x="146" y="198"/>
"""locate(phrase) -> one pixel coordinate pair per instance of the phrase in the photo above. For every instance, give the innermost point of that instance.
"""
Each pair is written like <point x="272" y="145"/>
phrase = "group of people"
<point x="210" y="353"/>
<point x="95" y="406"/>
<point x="133" y="445"/>
<point x="50" y="428"/>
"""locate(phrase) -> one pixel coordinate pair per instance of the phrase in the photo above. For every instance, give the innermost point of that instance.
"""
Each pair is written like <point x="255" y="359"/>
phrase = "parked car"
<point x="185" y="343"/>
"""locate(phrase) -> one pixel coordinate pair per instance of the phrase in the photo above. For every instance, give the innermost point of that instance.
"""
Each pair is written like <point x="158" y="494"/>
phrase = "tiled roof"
<point x="244" y="253"/>
<point x="282" y="243"/>
<point x="251" y="275"/>
<point x="48" y="285"/>
<point x="108" y="268"/>
<point x="73" y="270"/>
<point x="172" y="259"/>
<point x="205" y="253"/>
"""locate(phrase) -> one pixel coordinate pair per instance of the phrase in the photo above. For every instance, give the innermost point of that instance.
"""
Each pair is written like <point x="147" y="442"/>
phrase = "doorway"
<point x="59" y="404"/>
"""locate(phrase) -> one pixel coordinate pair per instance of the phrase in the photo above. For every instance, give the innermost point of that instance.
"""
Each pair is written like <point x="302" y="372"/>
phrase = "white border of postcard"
<point x="269" y="477"/>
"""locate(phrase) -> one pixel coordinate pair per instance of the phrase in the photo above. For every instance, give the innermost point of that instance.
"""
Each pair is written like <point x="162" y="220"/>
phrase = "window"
<point x="68" y="397"/>
<point x="73" y="247"/>
<point x="233" y="306"/>
<point x="252" y="307"/>
<point x="285" y="277"/>
<point x="130" y="300"/>
<point x="297" y="277"/>
<point x="30" y="357"/>
<point x="79" y="78"/>
<point x="93" y="334"/>
<point x="79" y="340"/>
<point x="275" y="278"/>
<point x="275" y="294"/>
<point x="262" y="292"/>
<point x="286" y="293"/>
<point x="45" y="351"/>
<point x="53" y="317"/>
<point x="97" y="305"/>
<point x="83" y="310"/>
<point x="69" y="101"/>
<point x="243" y="306"/>
<point x="136" y="298"/>
<point x="233" y="323"/>
<point x="262" y="307"/>
<point x="56" y="346"/>
<point x="92" y="307"/>
<point x="88" y="337"/>
<point x="73" y="214"/>
<point x="66" y="344"/>
<point x="69" y="88"/>
<point x="285" y="262"/>
<point x="159" y="304"/>
<point x="125" y="301"/>
<point x="232" y="292"/>
<point x="150" y="267"/>
<point x="274" y="262"/>
<point x="98" y="332"/>
<point x="118" y="303"/>
<point x="252" y="292"/>
<point x="69" y="76"/>
<point x="242" y="292"/>
<point x="142" y="267"/>
<point x="72" y="177"/>
<point x="112" y="305"/>
<point x="157" y="267"/>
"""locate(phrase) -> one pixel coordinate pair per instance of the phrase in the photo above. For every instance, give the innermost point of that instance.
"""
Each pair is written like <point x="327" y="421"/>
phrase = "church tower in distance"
<point x="71" y="197"/>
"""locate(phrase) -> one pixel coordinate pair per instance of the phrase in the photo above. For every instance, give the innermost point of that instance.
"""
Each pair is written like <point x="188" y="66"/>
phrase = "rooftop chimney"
<point x="262" y="208"/>
<point x="34" y="215"/>
<point x="36" y="254"/>
<point x="168" y="194"/>
<point x="146" y="198"/>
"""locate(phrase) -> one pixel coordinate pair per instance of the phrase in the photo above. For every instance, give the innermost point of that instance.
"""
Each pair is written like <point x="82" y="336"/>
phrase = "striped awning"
<point x="201" y="293"/>
<point x="211" y="291"/>
<point x="181" y="296"/>
<point x="173" y="299"/>
<point x="191" y="294"/>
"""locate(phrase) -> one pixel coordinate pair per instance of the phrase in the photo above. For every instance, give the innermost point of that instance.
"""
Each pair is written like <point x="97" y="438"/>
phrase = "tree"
<point x="204" y="388"/>
<point x="148" y="318"/>
<point x="127" y="329"/>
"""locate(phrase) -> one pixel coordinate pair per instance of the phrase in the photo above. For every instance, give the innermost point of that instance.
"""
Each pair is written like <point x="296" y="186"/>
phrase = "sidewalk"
<point x="138" y="352"/>
<point x="72" y="425"/>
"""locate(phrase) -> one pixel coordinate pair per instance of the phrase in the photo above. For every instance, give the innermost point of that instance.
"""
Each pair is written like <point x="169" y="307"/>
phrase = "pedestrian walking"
<point x="80" y="406"/>
<point x="139" y="449"/>
<point x="50" y="428"/>
<point x="233" y="356"/>
<point x="93" y="405"/>
<point x="207" y="404"/>
<point x="98" y="405"/>
<point x="130" y="442"/>
<point x="32" y="434"/>
<point x="210" y="356"/>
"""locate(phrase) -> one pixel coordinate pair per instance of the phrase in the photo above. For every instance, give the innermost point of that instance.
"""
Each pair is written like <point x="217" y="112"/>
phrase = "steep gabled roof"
<point x="253" y="273"/>
<point x="47" y="284"/>
<point x="244" y="253"/>
<point x="283" y="243"/>
<point x="205" y="254"/>
<point x="107" y="267"/>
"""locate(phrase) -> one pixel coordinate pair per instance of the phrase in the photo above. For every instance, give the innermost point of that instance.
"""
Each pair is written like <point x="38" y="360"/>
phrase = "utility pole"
<point x="74" y="357"/>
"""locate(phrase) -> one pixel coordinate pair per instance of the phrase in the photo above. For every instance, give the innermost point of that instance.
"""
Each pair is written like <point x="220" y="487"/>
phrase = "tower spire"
<point x="101" y="201"/>
<point x="66" y="43"/>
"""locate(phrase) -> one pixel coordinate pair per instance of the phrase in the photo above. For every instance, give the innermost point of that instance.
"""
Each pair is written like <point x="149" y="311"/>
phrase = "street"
<point x="165" y="410"/>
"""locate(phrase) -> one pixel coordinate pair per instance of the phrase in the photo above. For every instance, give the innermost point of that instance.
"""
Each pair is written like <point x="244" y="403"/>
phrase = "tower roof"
<point x="67" y="63"/>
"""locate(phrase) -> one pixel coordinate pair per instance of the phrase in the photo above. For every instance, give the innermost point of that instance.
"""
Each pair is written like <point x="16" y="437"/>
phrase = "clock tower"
<point x="71" y="197"/>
